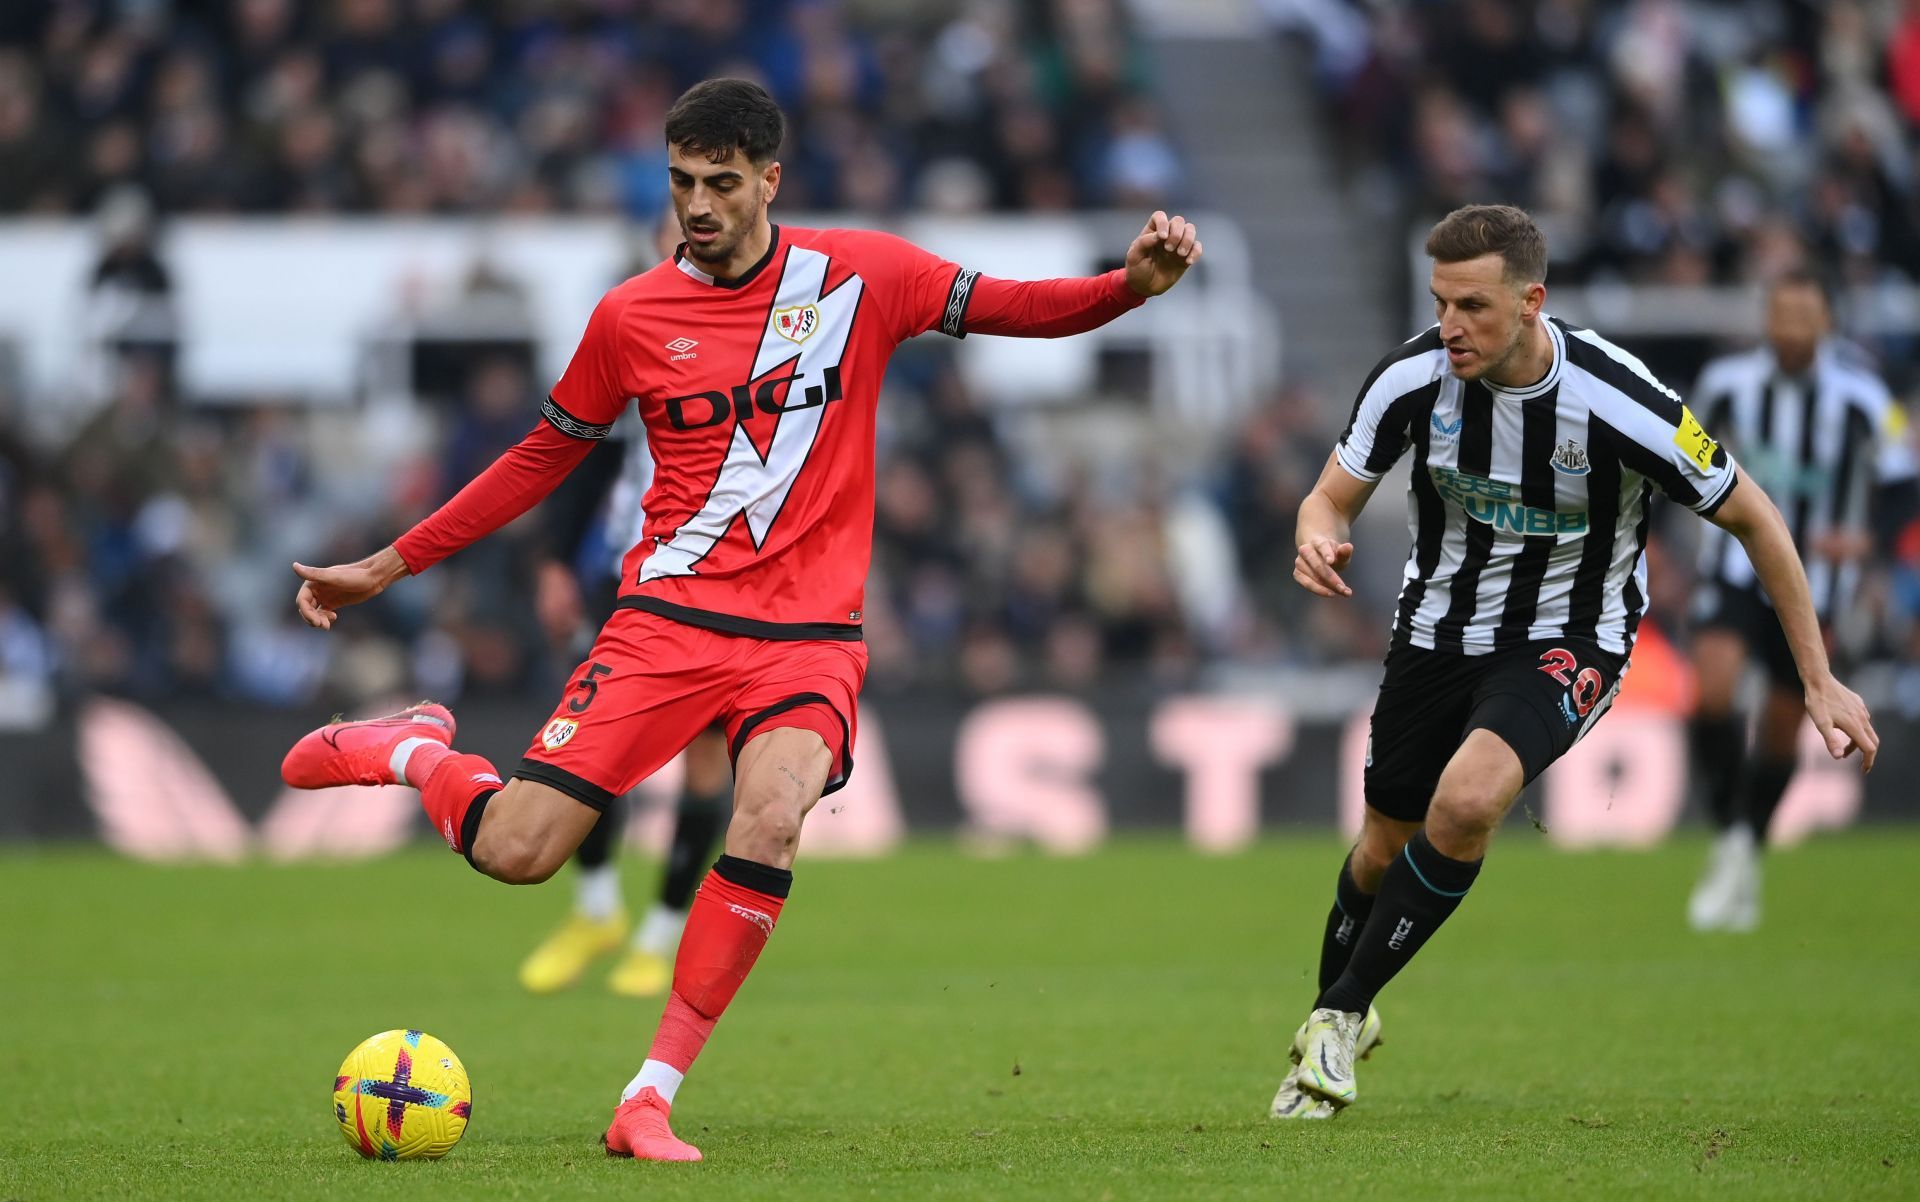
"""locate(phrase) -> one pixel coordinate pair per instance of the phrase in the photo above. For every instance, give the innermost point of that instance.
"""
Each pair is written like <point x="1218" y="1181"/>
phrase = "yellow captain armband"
<point x="1693" y="439"/>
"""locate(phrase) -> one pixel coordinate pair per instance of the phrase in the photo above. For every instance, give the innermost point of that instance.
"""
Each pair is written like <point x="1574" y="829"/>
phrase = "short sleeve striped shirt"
<point x="1529" y="506"/>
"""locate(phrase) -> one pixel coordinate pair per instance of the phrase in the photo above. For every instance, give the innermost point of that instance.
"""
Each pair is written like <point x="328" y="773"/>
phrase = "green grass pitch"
<point x="939" y="1026"/>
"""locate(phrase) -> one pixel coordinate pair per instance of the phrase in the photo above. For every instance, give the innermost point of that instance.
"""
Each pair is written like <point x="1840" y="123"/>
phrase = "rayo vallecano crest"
<point x="798" y="323"/>
<point x="1570" y="458"/>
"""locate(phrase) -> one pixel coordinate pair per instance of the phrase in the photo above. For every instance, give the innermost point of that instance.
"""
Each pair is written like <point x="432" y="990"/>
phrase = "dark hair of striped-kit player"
<point x="1476" y="230"/>
<point x="719" y="116"/>
<point x="1803" y="277"/>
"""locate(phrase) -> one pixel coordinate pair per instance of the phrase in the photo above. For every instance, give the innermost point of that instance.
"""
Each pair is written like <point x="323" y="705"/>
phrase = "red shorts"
<point x="651" y="684"/>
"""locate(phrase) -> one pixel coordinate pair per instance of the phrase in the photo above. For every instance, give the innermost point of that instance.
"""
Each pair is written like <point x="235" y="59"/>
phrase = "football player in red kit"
<point x="756" y="356"/>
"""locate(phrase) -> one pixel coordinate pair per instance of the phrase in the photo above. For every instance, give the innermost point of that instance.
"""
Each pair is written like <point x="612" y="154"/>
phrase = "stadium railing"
<point x="312" y="309"/>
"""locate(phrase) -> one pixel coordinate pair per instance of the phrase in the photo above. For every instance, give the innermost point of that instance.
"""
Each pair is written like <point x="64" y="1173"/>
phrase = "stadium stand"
<point x="146" y="551"/>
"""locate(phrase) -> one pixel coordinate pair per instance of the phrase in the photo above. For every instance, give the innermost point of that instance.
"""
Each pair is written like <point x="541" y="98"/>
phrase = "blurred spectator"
<point x="130" y="314"/>
<point x="1662" y="140"/>
<point x="462" y="106"/>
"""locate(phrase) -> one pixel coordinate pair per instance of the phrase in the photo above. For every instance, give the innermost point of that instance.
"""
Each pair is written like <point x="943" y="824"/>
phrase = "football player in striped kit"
<point x="597" y="924"/>
<point x="613" y="490"/>
<point x="1537" y="447"/>
<point x="1815" y="426"/>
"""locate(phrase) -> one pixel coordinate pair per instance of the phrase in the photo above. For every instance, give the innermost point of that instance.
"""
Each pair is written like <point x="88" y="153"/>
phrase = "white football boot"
<point x="1728" y="895"/>
<point x="1294" y="1101"/>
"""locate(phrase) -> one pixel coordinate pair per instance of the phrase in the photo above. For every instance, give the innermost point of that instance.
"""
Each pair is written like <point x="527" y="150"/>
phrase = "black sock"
<point x="596" y="849"/>
<point x="1344" y="921"/>
<point x="470" y="825"/>
<point x="1767" y="782"/>
<point x="1717" y="749"/>
<point x="752" y="874"/>
<point x="1418" y="893"/>
<point x="697" y="826"/>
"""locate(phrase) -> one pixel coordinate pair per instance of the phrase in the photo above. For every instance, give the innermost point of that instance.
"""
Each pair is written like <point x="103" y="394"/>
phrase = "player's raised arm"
<point x="325" y="591"/>
<point x="511" y="485"/>
<point x="577" y="414"/>
<point x="1837" y="711"/>
<point x="1161" y="254"/>
<point x="959" y="302"/>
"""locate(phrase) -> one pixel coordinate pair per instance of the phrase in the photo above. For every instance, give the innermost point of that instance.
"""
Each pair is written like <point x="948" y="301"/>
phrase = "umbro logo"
<point x="756" y="917"/>
<point x="682" y="348"/>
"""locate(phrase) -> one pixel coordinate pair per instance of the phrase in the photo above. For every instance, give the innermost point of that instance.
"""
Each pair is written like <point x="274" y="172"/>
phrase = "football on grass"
<point x="402" y="1095"/>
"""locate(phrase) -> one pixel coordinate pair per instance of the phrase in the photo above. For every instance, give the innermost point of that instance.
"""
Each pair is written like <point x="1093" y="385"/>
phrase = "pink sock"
<point x="450" y="782"/>
<point x="726" y="930"/>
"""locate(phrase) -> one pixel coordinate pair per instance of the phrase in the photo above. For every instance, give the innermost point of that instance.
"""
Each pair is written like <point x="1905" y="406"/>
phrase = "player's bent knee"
<point x="1467" y="807"/>
<point x="768" y="834"/>
<point x="1374" y="851"/>
<point x="514" y="859"/>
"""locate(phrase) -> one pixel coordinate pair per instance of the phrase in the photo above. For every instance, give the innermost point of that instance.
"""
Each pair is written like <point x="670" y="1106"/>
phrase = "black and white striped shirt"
<point x="626" y="503"/>
<point x="1528" y="506"/>
<point x="1817" y="443"/>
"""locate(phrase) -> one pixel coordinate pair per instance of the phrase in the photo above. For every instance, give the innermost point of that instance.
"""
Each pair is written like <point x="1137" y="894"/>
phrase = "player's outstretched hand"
<point x="1161" y="254"/>
<point x="1317" y="567"/>
<point x="323" y="591"/>
<point x="1842" y="720"/>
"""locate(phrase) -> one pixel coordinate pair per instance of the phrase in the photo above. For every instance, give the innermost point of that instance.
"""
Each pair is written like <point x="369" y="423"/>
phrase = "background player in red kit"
<point x="756" y="357"/>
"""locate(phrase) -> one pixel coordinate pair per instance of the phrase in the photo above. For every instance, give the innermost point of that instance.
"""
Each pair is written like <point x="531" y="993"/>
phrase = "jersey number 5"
<point x="591" y="683"/>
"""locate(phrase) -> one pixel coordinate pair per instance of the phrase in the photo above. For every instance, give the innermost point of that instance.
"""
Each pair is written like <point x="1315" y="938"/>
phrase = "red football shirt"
<point x="759" y="397"/>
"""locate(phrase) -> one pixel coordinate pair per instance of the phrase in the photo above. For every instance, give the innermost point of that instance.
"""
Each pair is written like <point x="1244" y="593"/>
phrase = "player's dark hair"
<point x="1804" y="277"/>
<point x="719" y="116"/>
<point x="1476" y="230"/>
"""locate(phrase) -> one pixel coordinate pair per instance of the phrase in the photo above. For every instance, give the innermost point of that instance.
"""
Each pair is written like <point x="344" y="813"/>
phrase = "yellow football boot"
<point x="561" y="960"/>
<point x="641" y="974"/>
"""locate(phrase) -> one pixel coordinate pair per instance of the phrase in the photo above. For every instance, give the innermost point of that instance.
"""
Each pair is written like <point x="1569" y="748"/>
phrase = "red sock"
<point x="732" y="916"/>
<point x="450" y="782"/>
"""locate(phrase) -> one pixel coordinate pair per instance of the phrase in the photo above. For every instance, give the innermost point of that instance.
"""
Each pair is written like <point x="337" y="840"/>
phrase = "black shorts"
<point x="1539" y="698"/>
<point x="1743" y="611"/>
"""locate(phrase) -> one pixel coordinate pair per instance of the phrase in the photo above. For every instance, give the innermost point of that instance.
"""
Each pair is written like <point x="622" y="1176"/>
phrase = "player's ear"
<point x="1533" y="298"/>
<point x="770" y="179"/>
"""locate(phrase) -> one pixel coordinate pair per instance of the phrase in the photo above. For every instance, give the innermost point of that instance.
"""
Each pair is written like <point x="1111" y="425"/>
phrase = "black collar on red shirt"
<point x="746" y="277"/>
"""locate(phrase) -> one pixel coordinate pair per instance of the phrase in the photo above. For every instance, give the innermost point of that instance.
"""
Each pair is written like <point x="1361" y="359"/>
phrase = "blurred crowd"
<point x="147" y="552"/>
<point x="150" y="558"/>
<point x="1669" y="141"/>
<point x="536" y="106"/>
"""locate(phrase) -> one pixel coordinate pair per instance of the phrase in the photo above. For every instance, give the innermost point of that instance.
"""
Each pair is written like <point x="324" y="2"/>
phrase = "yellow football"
<point x="402" y="1095"/>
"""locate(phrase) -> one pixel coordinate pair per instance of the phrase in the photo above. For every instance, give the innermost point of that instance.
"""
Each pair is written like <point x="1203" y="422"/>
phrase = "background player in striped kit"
<point x="592" y="517"/>
<point x="1536" y="449"/>
<point x="597" y="924"/>
<point x="1814" y="425"/>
